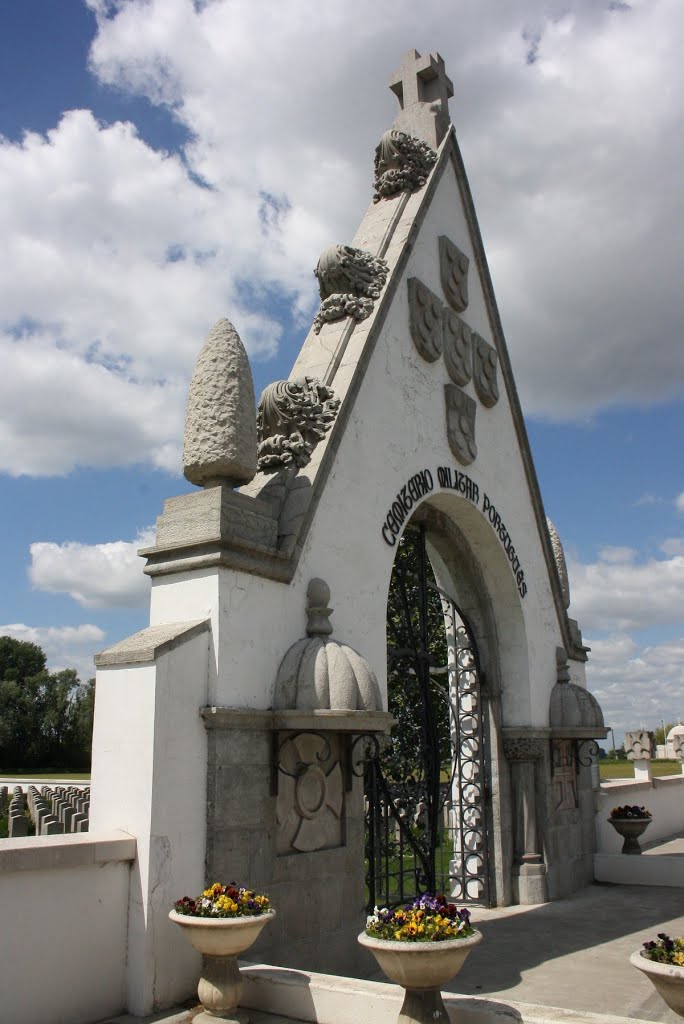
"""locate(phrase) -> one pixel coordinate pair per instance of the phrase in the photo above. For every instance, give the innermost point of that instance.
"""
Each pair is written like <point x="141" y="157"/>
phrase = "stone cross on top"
<point x="423" y="89"/>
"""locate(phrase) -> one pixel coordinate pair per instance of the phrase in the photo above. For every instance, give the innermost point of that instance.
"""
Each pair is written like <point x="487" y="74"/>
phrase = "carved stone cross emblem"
<point x="423" y="89"/>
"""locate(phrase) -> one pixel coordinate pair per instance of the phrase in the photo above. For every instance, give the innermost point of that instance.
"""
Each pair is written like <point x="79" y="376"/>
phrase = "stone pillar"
<point x="640" y="747"/>
<point x="529" y="870"/>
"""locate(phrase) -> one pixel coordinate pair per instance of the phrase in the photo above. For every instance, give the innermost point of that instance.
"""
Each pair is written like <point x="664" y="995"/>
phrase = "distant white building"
<point x="673" y="743"/>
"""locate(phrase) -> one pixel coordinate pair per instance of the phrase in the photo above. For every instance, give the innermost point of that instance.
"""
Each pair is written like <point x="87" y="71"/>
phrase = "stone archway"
<point x="427" y="813"/>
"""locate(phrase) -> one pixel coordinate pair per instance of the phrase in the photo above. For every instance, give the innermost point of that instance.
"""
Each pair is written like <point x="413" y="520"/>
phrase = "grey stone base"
<point x="529" y="883"/>
<point x="319" y="895"/>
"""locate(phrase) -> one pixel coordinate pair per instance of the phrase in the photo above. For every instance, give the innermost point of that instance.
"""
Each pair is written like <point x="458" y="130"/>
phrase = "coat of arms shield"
<point x="425" y="319"/>
<point x="453" y="267"/>
<point x="485" y="361"/>
<point x="460" y="423"/>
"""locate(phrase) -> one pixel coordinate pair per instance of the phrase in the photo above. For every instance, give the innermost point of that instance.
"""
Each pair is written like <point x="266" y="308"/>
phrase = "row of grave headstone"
<point x="53" y="810"/>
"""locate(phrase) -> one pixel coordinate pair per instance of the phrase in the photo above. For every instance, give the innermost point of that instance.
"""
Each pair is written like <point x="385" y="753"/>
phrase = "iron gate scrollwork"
<point x="425" y="792"/>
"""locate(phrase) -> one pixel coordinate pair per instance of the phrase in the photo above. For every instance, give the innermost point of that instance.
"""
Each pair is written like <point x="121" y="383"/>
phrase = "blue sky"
<point x="164" y="163"/>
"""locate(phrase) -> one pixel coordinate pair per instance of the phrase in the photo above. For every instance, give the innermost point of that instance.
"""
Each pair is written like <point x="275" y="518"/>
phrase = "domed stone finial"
<point x="317" y="597"/>
<point x="220" y="443"/>
<point x="322" y="674"/>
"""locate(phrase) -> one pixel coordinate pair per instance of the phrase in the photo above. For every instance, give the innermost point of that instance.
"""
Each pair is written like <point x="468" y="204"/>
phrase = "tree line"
<point x="46" y="718"/>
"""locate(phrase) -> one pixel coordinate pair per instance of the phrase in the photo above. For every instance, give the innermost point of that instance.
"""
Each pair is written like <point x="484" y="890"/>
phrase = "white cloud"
<point x="624" y="595"/>
<point x="64" y="646"/>
<point x="679" y="502"/>
<point x="119" y="258"/>
<point x="617" y="555"/>
<point x="673" y="546"/>
<point x="108" y="575"/>
<point x="636" y="685"/>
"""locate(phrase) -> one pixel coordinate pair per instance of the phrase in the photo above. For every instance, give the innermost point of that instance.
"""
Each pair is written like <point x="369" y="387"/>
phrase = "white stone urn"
<point x="667" y="979"/>
<point x="421" y="968"/>
<point x="630" y="829"/>
<point x="221" y="940"/>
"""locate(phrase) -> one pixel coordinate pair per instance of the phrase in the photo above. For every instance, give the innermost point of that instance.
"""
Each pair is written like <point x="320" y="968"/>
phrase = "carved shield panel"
<point x="453" y="267"/>
<point x="458" y="348"/>
<point x="485" y="362"/>
<point x="425" y="319"/>
<point x="460" y="421"/>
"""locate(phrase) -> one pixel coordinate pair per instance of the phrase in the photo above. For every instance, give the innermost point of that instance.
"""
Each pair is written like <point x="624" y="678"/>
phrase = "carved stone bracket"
<point x="485" y="361"/>
<point x="401" y="163"/>
<point x="350" y="280"/>
<point x="453" y="266"/>
<point x="425" y="320"/>
<point x="460" y="423"/>
<point x="293" y="416"/>
<point x="458" y="348"/>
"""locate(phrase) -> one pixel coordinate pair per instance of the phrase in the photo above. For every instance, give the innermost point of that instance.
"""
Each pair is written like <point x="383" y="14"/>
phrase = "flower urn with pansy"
<point x="663" y="964"/>
<point x="421" y="946"/>
<point x="222" y="922"/>
<point x="630" y="821"/>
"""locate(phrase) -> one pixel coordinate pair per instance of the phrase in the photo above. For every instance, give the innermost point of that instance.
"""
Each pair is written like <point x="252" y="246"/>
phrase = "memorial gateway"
<point x="244" y="733"/>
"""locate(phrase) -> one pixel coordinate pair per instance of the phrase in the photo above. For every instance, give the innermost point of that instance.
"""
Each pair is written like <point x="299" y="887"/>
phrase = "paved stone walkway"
<point x="572" y="954"/>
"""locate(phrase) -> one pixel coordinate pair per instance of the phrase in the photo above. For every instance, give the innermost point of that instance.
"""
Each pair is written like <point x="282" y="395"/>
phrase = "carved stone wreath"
<point x="401" y="162"/>
<point x="349" y="280"/>
<point x="293" y="416"/>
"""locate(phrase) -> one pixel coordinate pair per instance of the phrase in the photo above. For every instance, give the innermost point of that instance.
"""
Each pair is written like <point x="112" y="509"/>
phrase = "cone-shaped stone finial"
<point x="220" y="441"/>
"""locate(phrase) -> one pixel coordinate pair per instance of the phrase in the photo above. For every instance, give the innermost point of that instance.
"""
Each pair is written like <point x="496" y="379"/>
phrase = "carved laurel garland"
<point x="293" y="416"/>
<point x="401" y="162"/>
<point x="349" y="280"/>
<point x="523" y="748"/>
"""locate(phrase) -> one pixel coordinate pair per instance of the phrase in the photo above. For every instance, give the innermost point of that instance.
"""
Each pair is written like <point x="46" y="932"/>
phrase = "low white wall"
<point x="63" y="940"/>
<point x="663" y="797"/>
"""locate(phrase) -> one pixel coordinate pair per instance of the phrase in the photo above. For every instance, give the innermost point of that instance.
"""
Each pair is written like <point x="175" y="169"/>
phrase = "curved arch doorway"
<point x="425" y="793"/>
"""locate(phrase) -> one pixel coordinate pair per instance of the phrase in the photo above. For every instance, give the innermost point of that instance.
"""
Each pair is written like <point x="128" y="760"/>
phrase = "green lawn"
<point x="64" y="776"/>
<point x="625" y="769"/>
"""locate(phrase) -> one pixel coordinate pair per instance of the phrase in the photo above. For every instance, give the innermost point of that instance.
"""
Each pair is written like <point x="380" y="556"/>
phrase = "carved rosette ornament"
<point x="523" y="748"/>
<point x="458" y="348"/>
<point x="401" y="163"/>
<point x="485" y="361"/>
<point x="310" y="795"/>
<point x="453" y="267"/>
<point x="425" y="320"/>
<point x="293" y="416"/>
<point x="349" y="280"/>
<point x="460" y="421"/>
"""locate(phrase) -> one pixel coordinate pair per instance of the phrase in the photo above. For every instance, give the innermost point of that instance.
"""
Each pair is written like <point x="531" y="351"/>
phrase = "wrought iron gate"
<point x="425" y="793"/>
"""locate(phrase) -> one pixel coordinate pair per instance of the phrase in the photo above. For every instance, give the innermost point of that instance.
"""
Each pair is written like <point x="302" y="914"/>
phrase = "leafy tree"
<point x="20" y="659"/>
<point x="45" y="718"/>
<point x="661" y="733"/>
